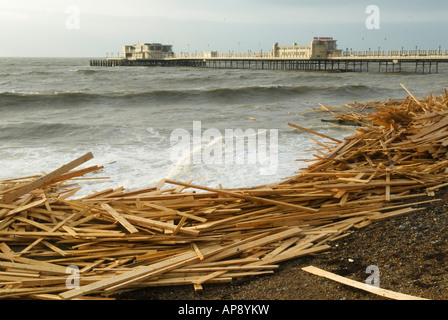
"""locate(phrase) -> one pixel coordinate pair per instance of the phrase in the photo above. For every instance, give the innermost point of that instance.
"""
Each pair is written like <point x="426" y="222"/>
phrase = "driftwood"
<point x="359" y="285"/>
<point x="56" y="246"/>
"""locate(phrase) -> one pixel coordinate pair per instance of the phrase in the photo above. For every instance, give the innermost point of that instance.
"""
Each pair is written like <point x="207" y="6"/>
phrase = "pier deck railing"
<point x="443" y="54"/>
<point x="418" y="61"/>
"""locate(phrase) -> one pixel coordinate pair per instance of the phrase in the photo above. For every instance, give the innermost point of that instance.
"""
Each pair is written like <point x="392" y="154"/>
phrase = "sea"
<point x="145" y="124"/>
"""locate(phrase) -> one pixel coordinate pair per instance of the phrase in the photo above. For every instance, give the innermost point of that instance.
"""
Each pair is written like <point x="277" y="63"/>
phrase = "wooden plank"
<point x="158" y="224"/>
<point x="227" y="268"/>
<point x="70" y="231"/>
<point x="313" y="132"/>
<point x="77" y="173"/>
<point x="246" y="197"/>
<point x="281" y="248"/>
<point x="25" y="292"/>
<point x="20" y="274"/>
<point x="176" y="212"/>
<point x="410" y="94"/>
<point x="259" y="241"/>
<point x="91" y="266"/>
<point x="395" y="213"/>
<point x="180" y="281"/>
<point x="44" y="296"/>
<point x="397" y="182"/>
<point x="140" y="274"/>
<point x="198" y="287"/>
<point x="210" y="276"/>
<point x="229" y="262"/>
<point x="359" y="285"/>
<point x="9" y="197"/>
<point x="7" y="251"/>
<point x="55" y="248"/>
<point x="179" y="225"/>
<point x="37" y="241"/>
<point x="32" y="234"/>
<point x="33" y="223"/>
<point x="387" y="186"/>
<point x="26" y="207"/>
<point x="125" y="223"/>
<point x="198" y="252"/>
<point x="34" y="267"/>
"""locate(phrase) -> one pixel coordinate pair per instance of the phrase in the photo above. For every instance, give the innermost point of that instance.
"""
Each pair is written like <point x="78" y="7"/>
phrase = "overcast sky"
<point x="94" y="28"/>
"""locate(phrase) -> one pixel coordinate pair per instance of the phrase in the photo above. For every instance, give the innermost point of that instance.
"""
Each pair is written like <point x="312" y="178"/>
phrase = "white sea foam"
<point x="129" y="134"/>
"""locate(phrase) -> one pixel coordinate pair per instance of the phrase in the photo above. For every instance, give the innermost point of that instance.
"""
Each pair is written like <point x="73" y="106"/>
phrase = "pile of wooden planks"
<point x="56" y="246"/>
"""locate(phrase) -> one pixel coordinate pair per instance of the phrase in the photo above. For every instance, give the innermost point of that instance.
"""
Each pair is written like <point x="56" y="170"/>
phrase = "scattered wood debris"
<point x="359" y="285"/>
<point x="56" y="246"/>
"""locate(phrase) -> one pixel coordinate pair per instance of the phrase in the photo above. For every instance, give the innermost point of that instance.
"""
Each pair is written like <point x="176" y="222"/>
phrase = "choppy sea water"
<point x="55" y="110"/>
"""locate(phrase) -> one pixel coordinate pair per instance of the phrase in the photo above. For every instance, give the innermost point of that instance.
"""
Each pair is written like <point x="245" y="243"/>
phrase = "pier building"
<point x="319" y="48"/>
<point x="147" y="51"/>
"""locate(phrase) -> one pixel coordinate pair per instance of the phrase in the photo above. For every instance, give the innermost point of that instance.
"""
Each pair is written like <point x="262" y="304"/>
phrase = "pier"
<point x="320" y="55"/>
<point x="424" y="65"/>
